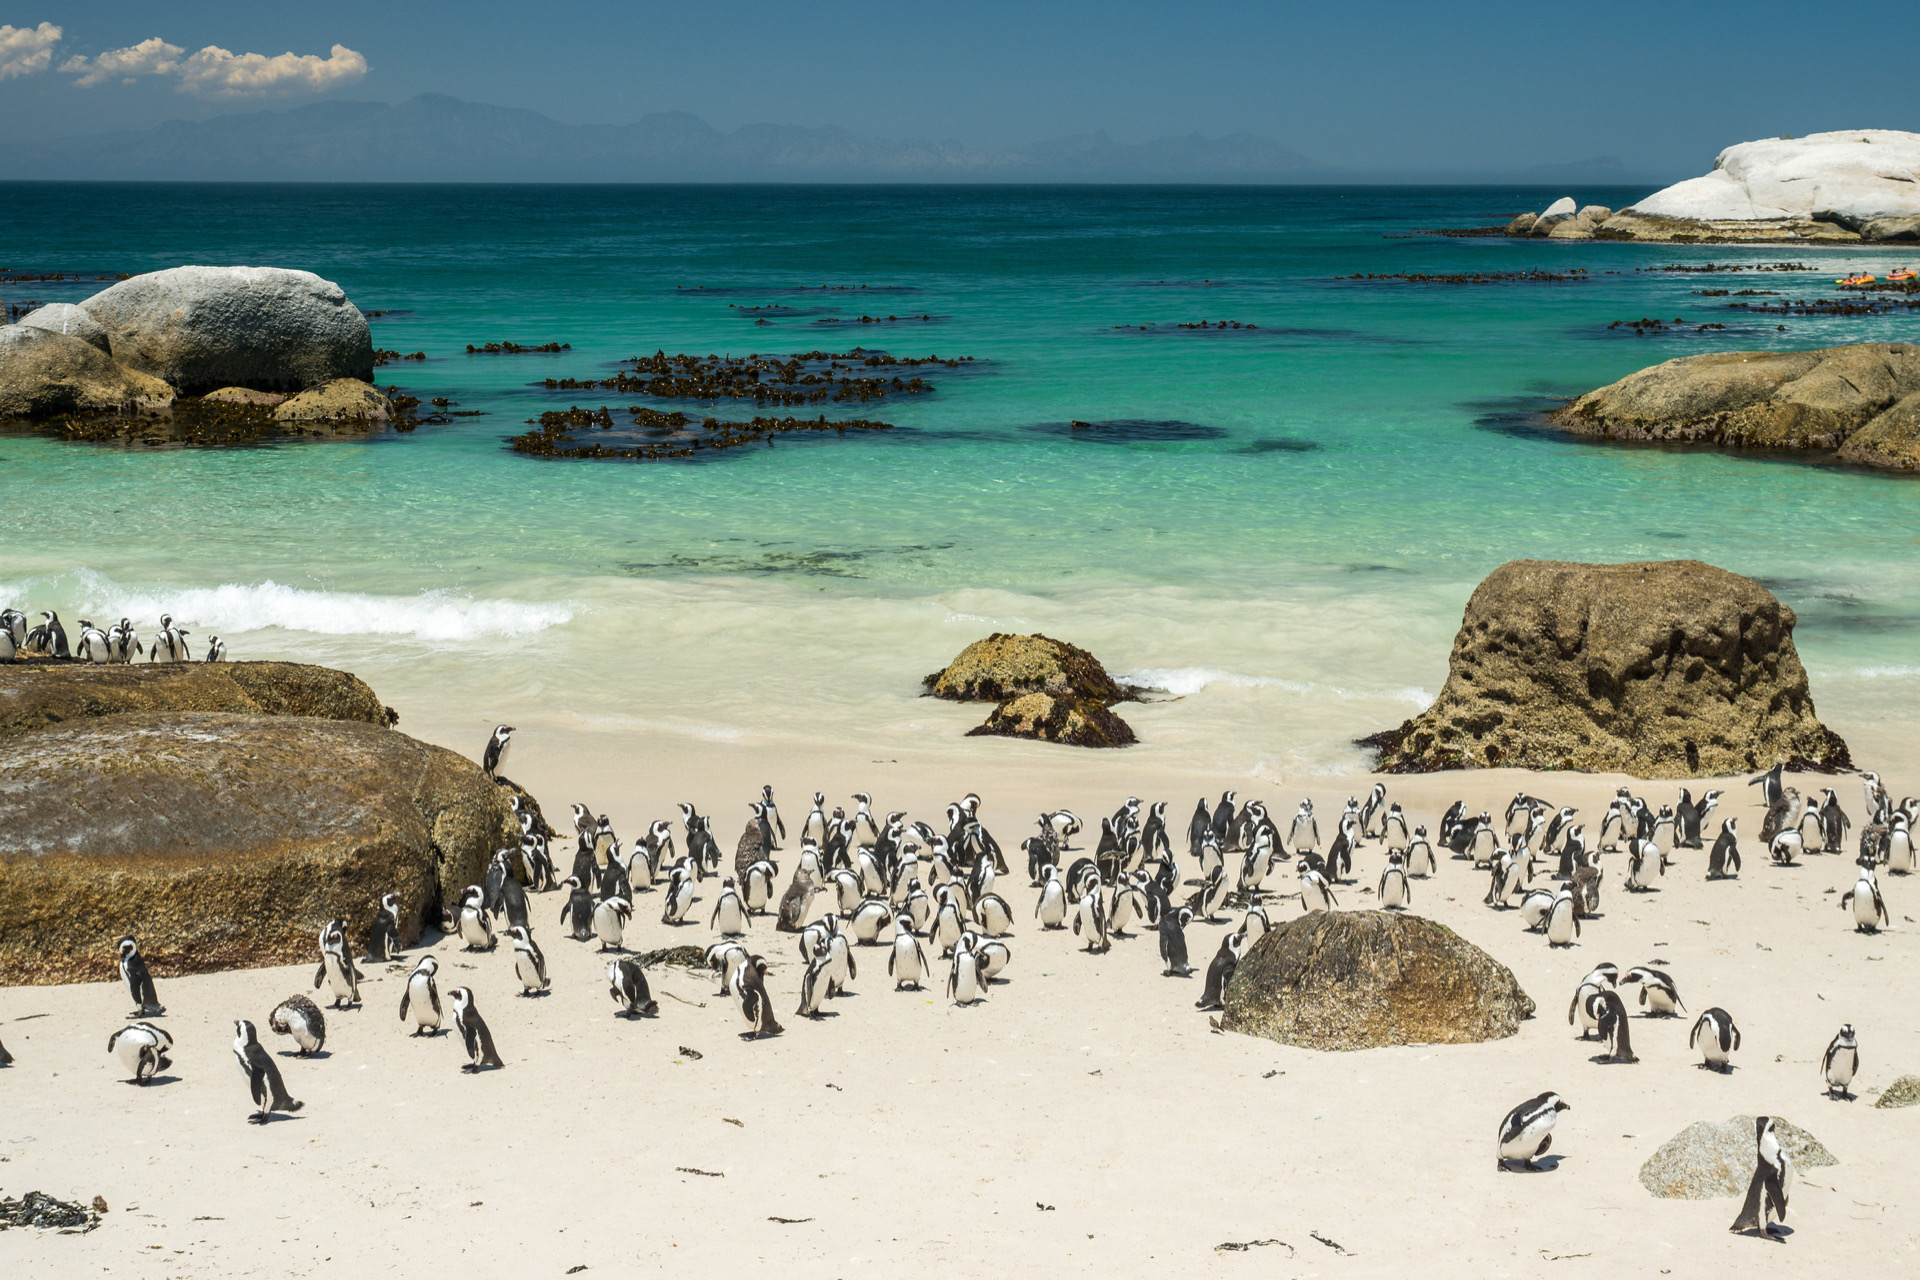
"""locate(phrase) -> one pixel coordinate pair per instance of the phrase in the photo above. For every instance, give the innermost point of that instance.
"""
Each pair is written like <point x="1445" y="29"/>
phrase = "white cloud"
<point x="25" y="50"/>
<point x="213" y="72"/>
<point x="153" y="57"/>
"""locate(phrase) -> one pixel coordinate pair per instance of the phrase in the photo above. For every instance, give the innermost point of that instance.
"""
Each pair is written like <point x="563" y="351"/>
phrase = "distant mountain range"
<point x="435" y="138"/>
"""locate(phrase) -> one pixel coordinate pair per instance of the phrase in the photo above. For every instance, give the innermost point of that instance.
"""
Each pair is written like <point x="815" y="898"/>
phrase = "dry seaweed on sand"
<point x="37" y="1209"/>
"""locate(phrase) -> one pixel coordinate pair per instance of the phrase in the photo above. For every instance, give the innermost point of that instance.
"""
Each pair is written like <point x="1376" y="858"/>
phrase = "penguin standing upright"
<point x="1173" y="942"/>
<point x="1527" y="1131"/>
<point x="906" y="963"/>
<point x="964" y="986"/>
<point x="264" y="1084"/>
<point x="1602" y="978"/>
<point x="336" y="969"/>
<point x="1220" y="970"/>
<point x="133" y="971"/>
<point x="1315" y="893"/>
<point x="1869" y="909"/>
<point x="422" y="997"/>
<point x="1724" y="862"/>
<point x="1840" y="1062"/>
<point x="577" y="914"/>
<point x="474" y="1033"/>
<point x="750" y="996"/>
<point x="476" y="924"/>
<point x="610" y="916"/>
<point x="383" y="941"/>
<point x="1563" y="918"/>
<point x="1394" y="893"/>
<point x="529" y="963"/>
<point x="1833" y="823"/>
<point x="1420" y="854"/>
<point x="1090" y="920"/>
<point x="300" y="1018"/>
<point x="1767" y="1194"/>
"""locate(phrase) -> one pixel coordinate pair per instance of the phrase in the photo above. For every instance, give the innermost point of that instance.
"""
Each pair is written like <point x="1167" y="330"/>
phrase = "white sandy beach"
<point x="905" y="1134"/>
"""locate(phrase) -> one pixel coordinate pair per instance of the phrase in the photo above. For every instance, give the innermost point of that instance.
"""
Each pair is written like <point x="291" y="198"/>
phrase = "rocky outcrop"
<point x="65" y="317"/>
<point x="1561" y="220"/>
<point x="1667" y="669"/>
<point x="342" y="399"/>
<point x="40" y="695"/>
<point x="1047" y="689"/>
<point x="1777" y="400"/>
<point x="43" y="372"/>
<point x="1864" y="184"/>
<point x="1362" y="979"/>
<point x="201" y="328"/>
<point x="244" y="396"/>
<point x="1005" y="666"/>
<point x="1903" y="1092"/>
<point x="1074" y="722"/>
<point x="1707" y="1160"/>
<point x="225" y="840"/>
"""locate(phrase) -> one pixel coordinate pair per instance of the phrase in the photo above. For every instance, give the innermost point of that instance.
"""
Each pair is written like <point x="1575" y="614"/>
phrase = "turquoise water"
<point x="1293" y="560"/>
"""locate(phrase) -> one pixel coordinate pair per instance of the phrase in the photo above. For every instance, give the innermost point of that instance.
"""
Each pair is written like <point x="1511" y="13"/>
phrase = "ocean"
<point x="1277" y="525"/>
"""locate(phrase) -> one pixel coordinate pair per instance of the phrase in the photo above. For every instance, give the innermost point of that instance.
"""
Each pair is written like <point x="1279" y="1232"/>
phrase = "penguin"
<point x="1519" y="815"/>
<point x="814" y="984"/>
<point x="919" y="907"/>
<point x="475" y="924"/>
<point x="1051" y="908"/>
<point x="1715" y="1036"/>
<point x="907" y="963"/>
<point x="815" y="827"/>
<point x="1090" y="920"/>
<point x="679" y="898"/>
<point x="13" y="633"/>
<point x="577" y="913"/>
<point x="1686" y="822"/>
<point x="1129" y="903"/>
<point x="1772" y="1182"/>
<point x="1315" y="893"/>
<point x="1563" y="919"/>
<point x="1557" y="827"/>
<point x="1220" y="971"/>
<point x="610" y="917"/>
<point x="723" y="958"/>
<point x="264" y="1084"/>
<point x="94" y="646"/>
<point x="1527" y="1132"/>
<point x="422" y="997"/>
<point x="841" y="969"/>
<point x="123" y="642"/>
<point x="1869" y="909"/>
<point x="627" y="984"/>
<point x="1393" y="829"/>
<point x="216" y="649"/>
<point x="1646" y="863"/>
<point x="473" y="1032"/>
<point x="948" y="921"/>
<point x="1211" y="898"/>
<point x="757" y="890"/>
<point x="1833" y="823"/>
<point x="1153" y="832"/>
<point x="55" y="638"/>
<point x="529" y="964"/>
<point x="772" y="814"/>
<point x="1373" y="814"/>
<point x="613" y="876"/>
<point x="964" y="986"/>
<point x="1769" y="784"/>
<point x="1664" y="829"/>
<point x="750" y="996"/>
<point x="875" y="914"/>
<point x="1254" y="926"/>
<point x="1878" y="802"/>
<point x="143" y="1049"/>
<point x="1841" y="1062"/>
<point x="991" y="955"/>
<point x="1658" y="996"/>
<point x="1222" y="824"/>
<point x="1602" y="978"/>
<point x="1724" y="862"/>
<point x="863" y="813"/>
<point x="1339" y="860"/>
<point x="1506" y="877"/>
<point x="1535" y="907"/>
<point x="994" y="916"/>
<point x="1420" y="853"/>
<point x="1304" y="834"/>
<point x="1173" y="942"/>
<point x="133" y="971"/>
<point x="1785" y="847"/>
<point x="729" y="912"/>
<point x="300" y="1018"/>
<point x="383" y="941"/>
<point x="1609" y="1015"/>
<point x="336" y="966"/>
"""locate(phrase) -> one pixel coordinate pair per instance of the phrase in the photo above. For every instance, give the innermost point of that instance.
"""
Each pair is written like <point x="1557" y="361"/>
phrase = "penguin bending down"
<point x="300" y="1018"/>
<point x="814" y="984"/>
<point x="1646" y="863"/>
<point x="143" y="1049"/>
<point x="1724" y="861"/>
<point x="1658" y="996"/>
<point x="627" y="983"/>
<point x="1772" y="1182"/>
<point x="1220" y="971"/>
<point x="750" y="996"/>
<point x="1715" y="1036"/>
<point x="1173" y="942"/>
<point x="1609" y="1014"/>
<point x="529" y="964"/>
<point x="422" y="997"/>
<point x="1315" y="893"/>
<point x="133" y="971"/>
<point x="906" y="963"/>
<point x="1841" y="1062"/>
<point x="875" y="914"/>
<point x="1535" y="907"/>
<point x="1603" y="978"/>
<point x="1527" y="1131"/>
<point x="383" y="942"/>
<point x="1785" y="847"/>
<point x="473" y="1032"/>
<point x="723" y="958"/>
<point x="269" y="1092"/>
<point x="1869" y="909"/>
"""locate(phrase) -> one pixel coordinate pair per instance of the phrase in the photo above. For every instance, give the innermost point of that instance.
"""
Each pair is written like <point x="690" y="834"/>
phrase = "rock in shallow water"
<point x="225" y="840"/>
<point x="43" y="372"/>
<point x="1706" y="1160"/>
<point x="65" y="317"/>
<point x="201" y="328"/>
<point x="1074" y="722"/>
<point x="343" y="398"/>
<point x="1005" y="666"/>
<point x="1666" y="669"/>
<point x="1362" y="979"/>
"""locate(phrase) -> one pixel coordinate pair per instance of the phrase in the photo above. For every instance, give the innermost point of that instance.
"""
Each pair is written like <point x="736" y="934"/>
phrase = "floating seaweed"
<point x="1534" y="276"/>
<point x="383" y="356"/>
<point x="1707" y="268"/>
<point x="1212" y="326"/>
<point x="681" y="436"/>
<point x="925" y="319"/>
<point x="515" y="349"/>
<point x="805" y="378"/>
<point x="1131" y="431"/>
<point x="1829" y="307"/>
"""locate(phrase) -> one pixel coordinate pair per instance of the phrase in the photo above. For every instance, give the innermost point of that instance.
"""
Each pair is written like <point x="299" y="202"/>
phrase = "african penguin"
<point x="300" y="1018"/>
<point x="906" y="963"/>
<point x="1563" y="918"/>
<point x="1658" y="996"/>
<point x="529" y="964"/>
<point x="1715" y="1036"/>
<point x="1772" y="1182"/>
<point x="750" y="997"/>
<point x="422" y="996"/>
<point x="142" y="1048"/>
<point x="1220" y="971"/>
<point x="383" y="941"/>
<point x="264" y="1085"/>
<point x="474" y="1033"/>
<point x="336" y="969"/>
<point x="1724" y="861"/>
<point x="1869" y="909"/>
<point x="964" y="986"/>
<point x="627" y="984"/>
<point x="1527" y="1131"/>
<point x="1173" y="942"/>
<point x="133" y="971"/>
<point x="1394" y="893"/>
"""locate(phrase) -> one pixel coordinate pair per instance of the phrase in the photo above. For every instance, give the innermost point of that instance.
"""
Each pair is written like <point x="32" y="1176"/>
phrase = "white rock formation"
<point x="1854" y="179"/>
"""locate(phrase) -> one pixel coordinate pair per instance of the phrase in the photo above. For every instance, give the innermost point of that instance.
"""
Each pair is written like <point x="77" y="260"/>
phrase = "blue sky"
<point x="1385" y="86"/>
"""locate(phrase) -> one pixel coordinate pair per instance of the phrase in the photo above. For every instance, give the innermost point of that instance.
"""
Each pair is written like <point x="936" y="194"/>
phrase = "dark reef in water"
<point x="205" y="423"/>
<point x="515" y="349"/>
<point x="666" y="435"/>
<point x="803" y="378"/>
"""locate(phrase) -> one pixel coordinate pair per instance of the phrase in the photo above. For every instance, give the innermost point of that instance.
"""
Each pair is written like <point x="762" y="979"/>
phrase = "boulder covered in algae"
<point x="36" y="695"/>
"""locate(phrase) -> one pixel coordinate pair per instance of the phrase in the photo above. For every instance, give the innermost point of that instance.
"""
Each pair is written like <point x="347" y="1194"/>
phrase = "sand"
<point x="1083" y="1119"/>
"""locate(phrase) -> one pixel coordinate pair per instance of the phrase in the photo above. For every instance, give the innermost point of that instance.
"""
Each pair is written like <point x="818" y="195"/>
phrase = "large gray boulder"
<point x="202" y="328"/>
<point x="226" y="840"/>
<point x="1668" y="669"/>
<point x="65" y="317"/>
<point x="43" y="372"/>
<point x="1776" y="400"/>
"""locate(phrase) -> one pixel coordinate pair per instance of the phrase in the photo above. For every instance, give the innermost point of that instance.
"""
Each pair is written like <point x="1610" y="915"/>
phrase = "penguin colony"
<point x="930" y="899"/>
<point x="119" y="643"/>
